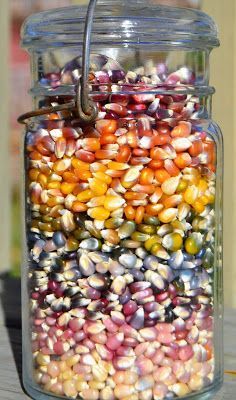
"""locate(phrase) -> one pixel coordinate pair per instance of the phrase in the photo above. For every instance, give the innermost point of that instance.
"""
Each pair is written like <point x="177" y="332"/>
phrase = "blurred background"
<point x="15" y="81"/>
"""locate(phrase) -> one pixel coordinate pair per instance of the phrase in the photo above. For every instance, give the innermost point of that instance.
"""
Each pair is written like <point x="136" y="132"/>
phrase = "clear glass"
<point x="122" y="273"/>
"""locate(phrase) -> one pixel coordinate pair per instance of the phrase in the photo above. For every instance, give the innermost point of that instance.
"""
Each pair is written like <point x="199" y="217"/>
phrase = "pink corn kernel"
<point x="79" y="336"/>
<point x="114" y="341"/>
<point x="50" y="321"/>
<point x="110" y="325"/>
<point x="185" y="353"/>
<point x="88" y="343"/>
<point x="125" y="351"/>
<point x="76" y="324"/>
<point x="158" y="357"/>
<point x="60" y="348"/>
<point x="130" y="308"/>
<point x="165" y="337"/>
<point x="141" y="348"/>
<point x="67" y="335"/>
<point x="164" y="327"/>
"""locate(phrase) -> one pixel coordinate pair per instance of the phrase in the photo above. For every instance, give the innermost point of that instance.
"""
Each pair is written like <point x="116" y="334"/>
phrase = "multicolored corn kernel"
<point x="121" y="240"/>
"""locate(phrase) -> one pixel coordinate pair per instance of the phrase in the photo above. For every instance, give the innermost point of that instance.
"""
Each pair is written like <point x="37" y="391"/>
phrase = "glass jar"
<point x="122" y="275"/>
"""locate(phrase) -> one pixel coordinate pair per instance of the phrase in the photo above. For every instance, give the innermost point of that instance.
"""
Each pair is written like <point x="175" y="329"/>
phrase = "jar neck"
<point x="145" y="61"/>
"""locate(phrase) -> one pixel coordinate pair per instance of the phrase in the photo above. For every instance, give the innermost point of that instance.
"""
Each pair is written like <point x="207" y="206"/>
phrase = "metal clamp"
<point x="83" y="106"/>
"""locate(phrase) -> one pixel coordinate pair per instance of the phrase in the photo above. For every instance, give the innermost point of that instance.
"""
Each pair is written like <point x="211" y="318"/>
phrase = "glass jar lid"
<point x="124" y="23"/>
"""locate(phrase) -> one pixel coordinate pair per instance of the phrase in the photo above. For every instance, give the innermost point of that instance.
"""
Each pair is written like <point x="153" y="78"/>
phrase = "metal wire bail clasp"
<point x="83" y="106"/>
<point x="86" y="108"/>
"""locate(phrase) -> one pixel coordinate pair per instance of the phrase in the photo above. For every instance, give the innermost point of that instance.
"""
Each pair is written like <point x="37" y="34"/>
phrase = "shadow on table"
<point x="10" y="295"/>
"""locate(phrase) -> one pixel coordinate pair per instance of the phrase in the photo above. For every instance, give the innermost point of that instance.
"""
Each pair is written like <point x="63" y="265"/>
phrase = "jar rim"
<point x="70" y="90"/>
<point x="122" y="23"/>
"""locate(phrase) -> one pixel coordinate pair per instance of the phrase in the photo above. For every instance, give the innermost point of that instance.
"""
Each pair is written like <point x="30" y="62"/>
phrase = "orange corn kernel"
<point x="35" y="155"/>
<point x="129" y="212"/>
<point x="60" y="147"/>
<point x="209" y="148"/>
<point x="139" y="214"/>
<point x="82" y="174"/>
<point x="140" y="152"/>
<point x="91" y="144"/>
<point x="153" y="209"/>
<point x="135" y="196"/>
<point x="54" y="201"/>
<point x="148" y="189"/>
<point x="108" y="139"/>
<point x="70" y="177"/>
<point x="53" y="117"/>
<point x="77" y="207"/>
<point x="162" y="139"/>
<point x="171" y="168"/>
<point x="183" y="160"/>
<point x="156" y="164"/>
<point x="105" y="154"/>
<point x="85" y="156"/>
<point x="209" y="351"/>
<point x="53" y="158"/>
<point x="196" y="148"/>
<point x="67" y="188"/>
<point x="114" y="174"/>
<point x="78" y="164"/>
<point x="42" y="149"/>
<point x="132" y="139"/>
<point x="117" y="166"/>
<point x="156" y="196"/>
<point x="33" y="174"/>
<point x="124" y="154"/>
<point x="182" y="130"/>
<point x="107" y="126"/>
<point x="172" y="201"/>
<point x="161" y="175"/>
<point x="146" y="177"/>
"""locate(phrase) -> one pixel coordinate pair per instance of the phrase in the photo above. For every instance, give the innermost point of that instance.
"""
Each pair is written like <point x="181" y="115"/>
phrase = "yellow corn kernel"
<point x="33" y="174"/>
<point x="204" y="199"/>
<point x="191" y="194"/>
<point x="182" y="186"/>
<point x="97" y="167"/>
<point x="85" y="196"/>
<point x="97" y="186"/>
<point x="78" y="164"/>
<point x="68" y="374"/>
<point x="54" y="185"/>
<point x="103" y="177"/>
<point x="151" y="241"/>
<point x="117" y="166"/>
<point x="112" y="203"/>
<point x="198" y="206"/>
<point x="96" y="385"/>
<point x="202" y="186"/>
<point x="211" y="198"/>
<point x="99" y="213"/>
<point x="67" y="188"/>
<point x="42" y="179"/>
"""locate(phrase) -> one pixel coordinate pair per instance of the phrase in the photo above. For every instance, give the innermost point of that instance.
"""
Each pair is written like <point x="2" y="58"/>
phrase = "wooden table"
<point x="10" y="346"/>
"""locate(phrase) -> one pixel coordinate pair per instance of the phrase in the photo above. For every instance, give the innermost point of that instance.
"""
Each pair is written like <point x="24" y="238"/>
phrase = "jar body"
<point x="122" y="277"/>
